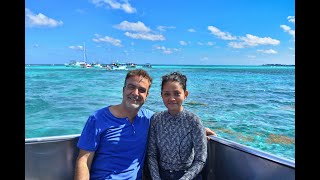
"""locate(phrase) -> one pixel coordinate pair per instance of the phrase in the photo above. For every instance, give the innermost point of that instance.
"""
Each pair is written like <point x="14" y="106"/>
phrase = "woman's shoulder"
<point x="157" y="116"/>
<point x="191" y="115"/>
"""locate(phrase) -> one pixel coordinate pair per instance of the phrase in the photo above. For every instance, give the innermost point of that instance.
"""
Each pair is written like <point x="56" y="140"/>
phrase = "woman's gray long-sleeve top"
<point x="176" y="143"/>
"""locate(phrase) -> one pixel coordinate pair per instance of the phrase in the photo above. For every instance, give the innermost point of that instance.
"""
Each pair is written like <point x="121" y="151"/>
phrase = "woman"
<point x="177" y="145"/>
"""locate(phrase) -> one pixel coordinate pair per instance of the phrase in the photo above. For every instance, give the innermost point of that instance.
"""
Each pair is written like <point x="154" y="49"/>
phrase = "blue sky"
<point x="202" y="32"/>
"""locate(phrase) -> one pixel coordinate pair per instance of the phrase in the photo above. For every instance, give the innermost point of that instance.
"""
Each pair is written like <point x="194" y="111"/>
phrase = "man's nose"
<point x="136" y="91"/>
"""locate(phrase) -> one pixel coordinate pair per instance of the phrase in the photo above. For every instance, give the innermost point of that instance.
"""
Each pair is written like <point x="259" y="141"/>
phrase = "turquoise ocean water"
<point x="251" y="105"/>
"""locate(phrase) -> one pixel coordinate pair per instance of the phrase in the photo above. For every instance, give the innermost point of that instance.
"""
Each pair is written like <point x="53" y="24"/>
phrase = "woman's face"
<point x="173" y="96"/>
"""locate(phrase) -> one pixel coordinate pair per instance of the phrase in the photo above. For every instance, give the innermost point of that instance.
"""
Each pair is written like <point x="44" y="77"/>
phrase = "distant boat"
<point x="277" y="65"/>
<point x="76" y="64"/>
<point x="83" y="63"/>
<point x="86" y="65"/>
<point x="131" y="65"/>
<point x="147" y="65"/>
<point x="117" y="66"/>
<point x="96" y="65"/>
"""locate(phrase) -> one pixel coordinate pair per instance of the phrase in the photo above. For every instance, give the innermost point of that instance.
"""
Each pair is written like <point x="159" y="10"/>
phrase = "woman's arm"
<point x="200" y="151"/>
<point x="209" y="132"/>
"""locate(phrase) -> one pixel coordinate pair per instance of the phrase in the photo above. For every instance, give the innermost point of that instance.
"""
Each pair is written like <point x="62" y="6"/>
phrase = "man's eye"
<point x="131" y="87"/>
<point x="141" y="90"/>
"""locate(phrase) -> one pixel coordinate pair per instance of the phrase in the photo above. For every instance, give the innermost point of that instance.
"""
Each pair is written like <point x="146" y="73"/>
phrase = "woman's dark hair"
<point x="176" y="77"/>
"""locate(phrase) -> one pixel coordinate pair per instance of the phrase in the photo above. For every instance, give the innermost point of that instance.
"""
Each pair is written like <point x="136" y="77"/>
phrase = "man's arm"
<point x="83" y="165"/>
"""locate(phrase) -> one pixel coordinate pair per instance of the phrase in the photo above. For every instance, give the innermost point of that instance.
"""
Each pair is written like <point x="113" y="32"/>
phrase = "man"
<point x="113" y="142"/>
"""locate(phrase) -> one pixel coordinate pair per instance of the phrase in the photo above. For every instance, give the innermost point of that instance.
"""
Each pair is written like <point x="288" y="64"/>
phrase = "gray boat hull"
<point x="52" y="158"/>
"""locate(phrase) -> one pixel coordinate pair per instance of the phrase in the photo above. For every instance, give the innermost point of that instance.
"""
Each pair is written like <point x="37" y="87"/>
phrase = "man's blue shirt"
<point x="119" y="145"/>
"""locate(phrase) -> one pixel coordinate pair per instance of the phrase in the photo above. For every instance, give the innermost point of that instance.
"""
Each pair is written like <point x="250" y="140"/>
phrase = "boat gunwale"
<point x="229" y="143"/>
<point x="51" y="138"/>
<point x="254" y="151"/>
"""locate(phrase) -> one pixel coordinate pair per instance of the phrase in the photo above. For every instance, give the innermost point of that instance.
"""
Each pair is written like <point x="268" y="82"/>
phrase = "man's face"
<point x="135" y="92"/>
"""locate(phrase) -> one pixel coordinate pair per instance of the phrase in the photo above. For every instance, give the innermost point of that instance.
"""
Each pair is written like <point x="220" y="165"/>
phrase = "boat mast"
<point x="84" y="52"/>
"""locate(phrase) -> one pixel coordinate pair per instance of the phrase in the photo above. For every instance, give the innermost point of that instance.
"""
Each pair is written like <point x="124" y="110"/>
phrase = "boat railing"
<point x="230" y="160"/>
<point x="51" y="138"/>
<point x="253" y="151"/>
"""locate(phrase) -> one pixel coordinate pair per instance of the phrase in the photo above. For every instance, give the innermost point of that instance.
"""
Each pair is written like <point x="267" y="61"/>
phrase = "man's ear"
<point x="186" y="93"/>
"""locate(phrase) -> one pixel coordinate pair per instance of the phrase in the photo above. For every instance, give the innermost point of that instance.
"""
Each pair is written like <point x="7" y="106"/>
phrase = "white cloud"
<point x="251" y="40"/>
<point x="145" y="36"/>
<point x="81" y="11"/>
<point x="205" y="58"/>
<point x="166" y="50"/>
<point x="183" y="43"/>
<point x="191" y="30"/>
<point x="39" y="20"/>
<point x="113" y="41"/>
<point x="237" y="45"/>
<point x="251" y="56"/>
<point x="131" y="26"/>
<point x="244" y="41"/>
<point x="115" y="4"/>
<point x="222" y="35"/>
<point x="138" y="31"/>
<point x="269" y="51"/>
<point x="210" y="43"/>
<point x="80" y="48"/>
<point x="291" y="19"/>
<point x="164" y="28"/>
<point x="288" y="30"/>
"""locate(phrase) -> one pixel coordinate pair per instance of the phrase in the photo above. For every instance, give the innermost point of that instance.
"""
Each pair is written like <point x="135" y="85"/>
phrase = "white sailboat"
<point x="83" y="63"/>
